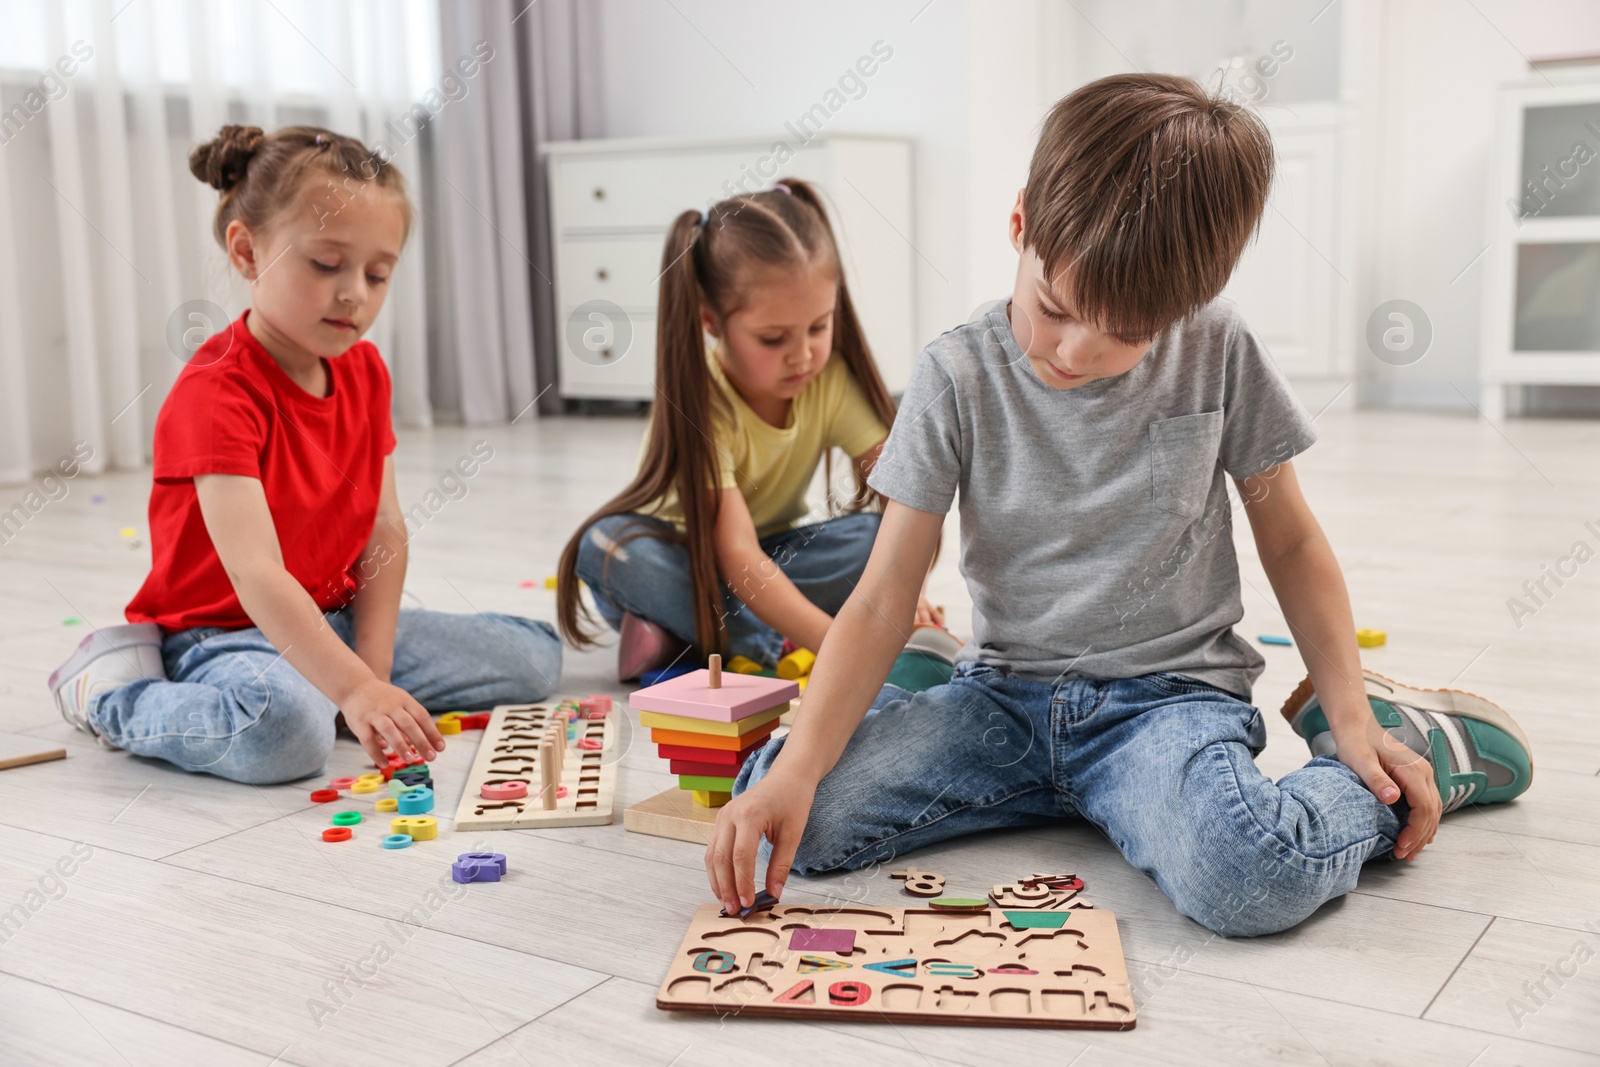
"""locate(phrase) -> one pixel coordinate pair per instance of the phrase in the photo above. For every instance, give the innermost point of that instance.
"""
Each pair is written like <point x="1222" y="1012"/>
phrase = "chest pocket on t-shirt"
<point x="1183" y="461"/>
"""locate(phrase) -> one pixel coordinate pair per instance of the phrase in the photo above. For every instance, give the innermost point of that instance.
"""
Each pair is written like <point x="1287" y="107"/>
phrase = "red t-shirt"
<point x="233" y="410"/>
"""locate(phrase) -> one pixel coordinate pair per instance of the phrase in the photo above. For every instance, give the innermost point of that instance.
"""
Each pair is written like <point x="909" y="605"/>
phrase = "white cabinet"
<point x="612" y="201"/>
<point x="1542" y="306"/>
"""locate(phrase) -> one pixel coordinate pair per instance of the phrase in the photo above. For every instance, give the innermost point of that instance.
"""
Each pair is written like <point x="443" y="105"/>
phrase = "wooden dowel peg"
<point x="547" y="774"/>
<point x="716" y="671"/>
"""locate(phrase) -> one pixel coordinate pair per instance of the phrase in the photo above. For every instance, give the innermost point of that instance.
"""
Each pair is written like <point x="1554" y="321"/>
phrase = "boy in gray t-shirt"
<point x="1088" y="427"/>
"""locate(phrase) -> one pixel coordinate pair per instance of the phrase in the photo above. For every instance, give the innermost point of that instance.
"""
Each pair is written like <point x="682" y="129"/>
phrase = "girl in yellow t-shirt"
<point x="708" y="546"/>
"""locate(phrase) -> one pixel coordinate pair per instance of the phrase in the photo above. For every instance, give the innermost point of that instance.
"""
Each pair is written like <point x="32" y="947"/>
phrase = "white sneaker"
<point x="107" y="659"/>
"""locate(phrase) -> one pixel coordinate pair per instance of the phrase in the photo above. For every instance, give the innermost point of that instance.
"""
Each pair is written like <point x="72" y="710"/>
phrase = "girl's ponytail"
<point x="851" y="343"/>
<point x="679" y="456"/>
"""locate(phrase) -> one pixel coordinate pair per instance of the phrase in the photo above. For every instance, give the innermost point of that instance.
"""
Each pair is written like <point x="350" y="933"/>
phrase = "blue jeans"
<point x="1163" y="765"/>
<point x="233" y="707"/>
<point x="649" y="577"/>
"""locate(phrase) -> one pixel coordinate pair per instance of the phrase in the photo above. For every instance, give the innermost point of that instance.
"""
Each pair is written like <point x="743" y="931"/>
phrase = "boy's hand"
<point x="383" y="715"/>
<point x="777" y="806"/>
<point x="927" y="613"/>
<point x="1389" y="769"/>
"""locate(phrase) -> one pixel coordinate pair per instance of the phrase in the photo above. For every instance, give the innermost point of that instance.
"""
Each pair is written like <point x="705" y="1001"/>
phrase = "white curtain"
<point x="106" y="253"/>
<point x="496" y="353"/>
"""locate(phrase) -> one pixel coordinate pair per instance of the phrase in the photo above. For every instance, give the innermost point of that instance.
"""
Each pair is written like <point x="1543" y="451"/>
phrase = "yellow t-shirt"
<point x="773" y="465"/>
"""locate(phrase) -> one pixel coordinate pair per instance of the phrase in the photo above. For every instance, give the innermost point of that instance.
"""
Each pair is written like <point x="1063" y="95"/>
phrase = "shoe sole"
<point x="1444" y="701"/>
<point x="935" y="641"/>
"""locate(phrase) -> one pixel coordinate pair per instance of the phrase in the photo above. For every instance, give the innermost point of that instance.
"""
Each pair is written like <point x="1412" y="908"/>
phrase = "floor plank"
<point x="264" y="969"/>
<point x="47" y="1027"/>
<point x="1529" y="981"/>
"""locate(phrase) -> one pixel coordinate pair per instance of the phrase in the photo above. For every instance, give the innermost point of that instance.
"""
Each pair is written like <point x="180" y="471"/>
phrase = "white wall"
<point x="1440" y="65"/>
<point x="971" y="81"/>
<point x="723" y="68"/>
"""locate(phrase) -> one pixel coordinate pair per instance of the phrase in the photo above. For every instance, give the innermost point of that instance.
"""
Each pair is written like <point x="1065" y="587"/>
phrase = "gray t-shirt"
<point x="1096" y="526"/>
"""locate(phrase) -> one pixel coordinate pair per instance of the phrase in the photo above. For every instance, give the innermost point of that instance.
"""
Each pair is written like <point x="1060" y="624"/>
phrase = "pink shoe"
<point x="644" y="647"/>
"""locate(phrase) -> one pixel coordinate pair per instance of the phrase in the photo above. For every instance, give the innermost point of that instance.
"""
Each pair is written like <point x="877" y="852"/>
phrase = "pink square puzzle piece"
<point x="741" y="696"/>
<point x="839" y="942"/>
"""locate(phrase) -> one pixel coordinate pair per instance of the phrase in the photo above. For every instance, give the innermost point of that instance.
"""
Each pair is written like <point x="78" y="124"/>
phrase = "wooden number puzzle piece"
<point x="1019" y="895"/>
<point x="1054" y="881"/>
<point x="849" y="994"/>
<point x="920" y="883"/>
<point x="813" y="964"/>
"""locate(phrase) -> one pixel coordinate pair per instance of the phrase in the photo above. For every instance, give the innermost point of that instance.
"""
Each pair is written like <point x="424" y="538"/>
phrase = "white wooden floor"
<point x="209" y="916"/>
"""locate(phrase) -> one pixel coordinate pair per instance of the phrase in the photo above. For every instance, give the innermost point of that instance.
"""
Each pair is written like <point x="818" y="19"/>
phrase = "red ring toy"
<point x="504" y="790"/>
<point x="323" y="796"/>
<point x="341" y="783"/>
<point x="336" y="833"/>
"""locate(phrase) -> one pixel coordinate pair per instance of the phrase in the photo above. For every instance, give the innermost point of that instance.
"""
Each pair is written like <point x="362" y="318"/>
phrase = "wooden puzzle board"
<point x="509" y="752"/>
<point x="941" y="967"/>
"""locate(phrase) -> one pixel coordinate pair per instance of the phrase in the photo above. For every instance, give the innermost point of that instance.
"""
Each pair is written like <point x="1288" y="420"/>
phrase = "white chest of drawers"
<point x="612" y="201"/>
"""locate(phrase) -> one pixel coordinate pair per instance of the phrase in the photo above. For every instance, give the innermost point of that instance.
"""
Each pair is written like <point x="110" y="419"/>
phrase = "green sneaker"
<point x="1478" y="752"/>
<point x="929" y="659"/>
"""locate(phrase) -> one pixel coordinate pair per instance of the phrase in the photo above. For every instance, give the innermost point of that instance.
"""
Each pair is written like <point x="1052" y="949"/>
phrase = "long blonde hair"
<point x="705" y="259"/>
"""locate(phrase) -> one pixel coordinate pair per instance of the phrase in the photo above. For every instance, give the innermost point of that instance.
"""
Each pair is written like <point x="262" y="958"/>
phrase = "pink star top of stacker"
<point x="714" y="695"/>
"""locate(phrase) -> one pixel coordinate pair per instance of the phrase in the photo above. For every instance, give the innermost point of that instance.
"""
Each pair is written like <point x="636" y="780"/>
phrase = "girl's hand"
<point x="380" y="715"/>
<point x="778" y="807"/>
<point x="927" y="614"/>
<point x="1390" y="769"/>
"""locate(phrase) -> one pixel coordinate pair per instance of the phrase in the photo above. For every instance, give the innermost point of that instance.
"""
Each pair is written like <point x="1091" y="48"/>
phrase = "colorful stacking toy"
<point x="707" y="724"/>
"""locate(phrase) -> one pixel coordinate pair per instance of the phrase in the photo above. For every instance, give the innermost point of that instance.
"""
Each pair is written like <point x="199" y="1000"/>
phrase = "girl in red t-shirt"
<point x="278" y="544"/>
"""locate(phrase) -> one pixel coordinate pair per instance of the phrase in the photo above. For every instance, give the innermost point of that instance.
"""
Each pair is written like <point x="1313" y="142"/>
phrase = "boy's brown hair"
<point x="1142" y="193"/>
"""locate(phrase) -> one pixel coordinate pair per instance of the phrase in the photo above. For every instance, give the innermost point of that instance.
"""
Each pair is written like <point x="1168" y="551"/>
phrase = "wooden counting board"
<point x="905" y="965"/>
<point x="509" y="752"/>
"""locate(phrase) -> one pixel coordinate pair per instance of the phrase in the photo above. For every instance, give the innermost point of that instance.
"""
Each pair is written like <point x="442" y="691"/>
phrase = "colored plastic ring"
<point x="504" y="790"/>
<point x="323" y="796"/>
<point x="341" y="783"/>
<point x="366" y="787"/>
<point x="449" y="726"/>
<point x="336" y="833"/>
<point x="370" y="776"/>
<point x="346" y="818"/>
<point x="396" y="841"/>
<point x="388" y="804"/>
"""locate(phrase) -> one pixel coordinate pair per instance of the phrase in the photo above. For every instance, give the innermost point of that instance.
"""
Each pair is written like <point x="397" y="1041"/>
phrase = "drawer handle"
<point x="601" y="274"/>
<point x="599" y="193"/>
